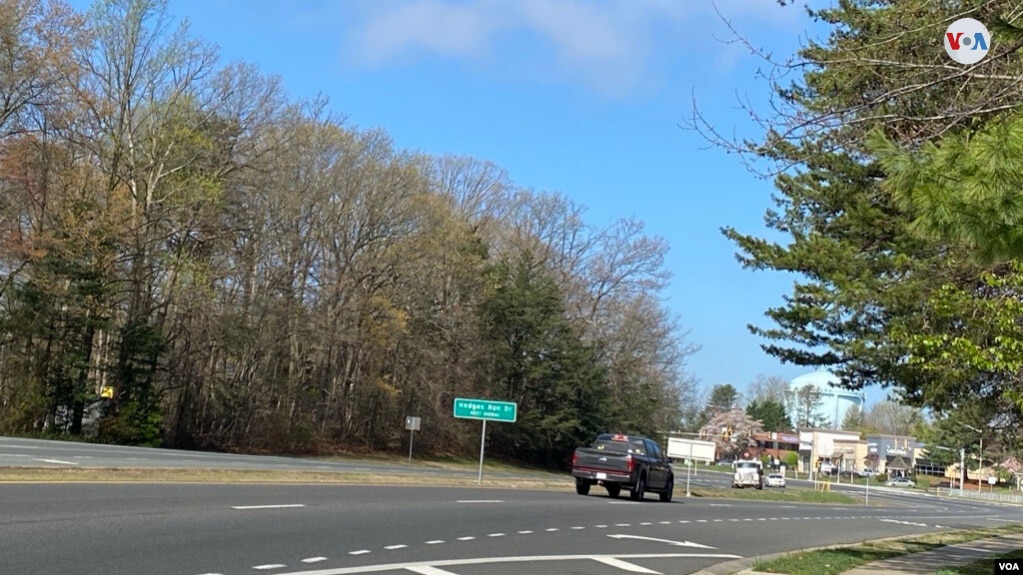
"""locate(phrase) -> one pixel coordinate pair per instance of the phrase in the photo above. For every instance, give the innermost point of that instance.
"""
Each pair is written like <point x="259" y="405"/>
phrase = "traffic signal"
<point x="726" y="433"/>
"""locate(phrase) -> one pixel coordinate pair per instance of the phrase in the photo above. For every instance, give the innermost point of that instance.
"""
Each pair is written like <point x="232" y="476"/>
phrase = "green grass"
<point x="839" y="559"/>
<point x="560" y="482"/>
<point x="796" y="495"/>
<point x="981" y="567"/>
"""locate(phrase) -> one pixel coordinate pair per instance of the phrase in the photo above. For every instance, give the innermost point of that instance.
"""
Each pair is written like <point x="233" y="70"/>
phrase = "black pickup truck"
<point x="620" y="461"/>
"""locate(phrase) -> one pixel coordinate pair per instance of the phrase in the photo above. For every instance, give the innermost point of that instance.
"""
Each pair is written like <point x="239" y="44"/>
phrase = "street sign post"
<point x="485" y="410"/>
<point x="412" y="425"/>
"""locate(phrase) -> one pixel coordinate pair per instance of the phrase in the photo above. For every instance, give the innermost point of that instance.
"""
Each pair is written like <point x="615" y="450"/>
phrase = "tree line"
<point x="896" y="173"/>
<point x="190" y="258"/>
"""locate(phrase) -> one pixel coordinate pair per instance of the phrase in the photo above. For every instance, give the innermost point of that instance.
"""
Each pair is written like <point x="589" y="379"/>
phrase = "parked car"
<point x="900" y="482"/>
<point x="867" y="473"/>
<point x="775" y="480"/>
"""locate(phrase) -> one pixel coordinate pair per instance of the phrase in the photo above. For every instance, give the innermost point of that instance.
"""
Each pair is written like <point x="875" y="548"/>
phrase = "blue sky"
<point x="581" y="97"/>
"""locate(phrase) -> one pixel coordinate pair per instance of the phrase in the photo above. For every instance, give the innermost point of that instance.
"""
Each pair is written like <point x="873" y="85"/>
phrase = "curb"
<point x="742" y="566"/>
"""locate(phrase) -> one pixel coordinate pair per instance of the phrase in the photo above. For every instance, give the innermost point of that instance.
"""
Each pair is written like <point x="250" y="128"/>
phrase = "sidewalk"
<point x="924" y="563"/>
<point x="928" y="562"/>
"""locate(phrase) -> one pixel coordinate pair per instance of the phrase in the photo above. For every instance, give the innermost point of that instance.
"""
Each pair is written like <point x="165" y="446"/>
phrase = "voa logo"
<point x="967" y="41"/>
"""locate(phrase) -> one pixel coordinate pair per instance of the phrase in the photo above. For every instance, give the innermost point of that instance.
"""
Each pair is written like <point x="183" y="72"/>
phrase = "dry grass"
<point x="147" y="475"/>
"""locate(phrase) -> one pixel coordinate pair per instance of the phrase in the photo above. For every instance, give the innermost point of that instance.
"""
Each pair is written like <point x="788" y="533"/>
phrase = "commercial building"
<point x="892" y="454"/>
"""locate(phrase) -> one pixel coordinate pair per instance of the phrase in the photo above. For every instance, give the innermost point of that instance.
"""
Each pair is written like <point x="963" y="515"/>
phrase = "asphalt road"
<point x="122" y="529"/>
<point x="17" y="452"/>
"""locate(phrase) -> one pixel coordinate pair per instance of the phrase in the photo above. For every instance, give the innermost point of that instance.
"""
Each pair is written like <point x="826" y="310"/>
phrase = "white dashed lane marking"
<point x="430" y="570"/>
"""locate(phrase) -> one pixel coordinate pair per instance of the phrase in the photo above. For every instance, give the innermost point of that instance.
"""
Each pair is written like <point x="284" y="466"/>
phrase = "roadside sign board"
<point x="412" y="423"/>
<point x="486" y="409"/>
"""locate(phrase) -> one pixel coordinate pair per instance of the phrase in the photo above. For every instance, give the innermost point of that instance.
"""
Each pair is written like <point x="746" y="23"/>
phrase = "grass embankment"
<point x="839" y="559"/>
<point x="115" y="475"/>
<point x="449" y="462"/>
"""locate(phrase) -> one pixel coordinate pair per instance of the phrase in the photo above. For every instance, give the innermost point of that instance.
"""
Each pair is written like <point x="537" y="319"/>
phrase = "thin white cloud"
<point x="452" y="29"/>
<point x="608" y="44"/>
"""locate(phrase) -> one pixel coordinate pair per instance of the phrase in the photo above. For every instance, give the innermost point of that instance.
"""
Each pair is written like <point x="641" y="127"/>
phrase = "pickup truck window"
<point x="635" y="447"/>
<point x="616" y="446"/>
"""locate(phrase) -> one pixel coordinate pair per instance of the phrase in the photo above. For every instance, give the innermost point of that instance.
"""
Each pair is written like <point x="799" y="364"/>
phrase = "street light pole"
<point x="980" y="466"/>
<point x="689" y="467"/>
<point x="980" y="457"/>
<point x="962" y="469"/>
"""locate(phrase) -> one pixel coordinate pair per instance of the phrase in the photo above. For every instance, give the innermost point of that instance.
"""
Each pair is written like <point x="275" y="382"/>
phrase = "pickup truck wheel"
<point x="582" y="487"/>
<point x="639" y="490"/>
<point x="668" y="489"/>
<point x="613" y="491"/>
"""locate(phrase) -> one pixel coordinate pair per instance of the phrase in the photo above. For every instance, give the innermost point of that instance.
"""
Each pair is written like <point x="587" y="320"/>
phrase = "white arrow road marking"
<point x="625" y="565"/>
<point x="57" y="461"/>
<point x="668" y="541"/>
<point x="428" y="570"/>
<point x="267" y="506"/>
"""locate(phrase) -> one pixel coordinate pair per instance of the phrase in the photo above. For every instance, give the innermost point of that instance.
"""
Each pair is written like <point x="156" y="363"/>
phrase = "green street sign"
<point x="486" y="409"/>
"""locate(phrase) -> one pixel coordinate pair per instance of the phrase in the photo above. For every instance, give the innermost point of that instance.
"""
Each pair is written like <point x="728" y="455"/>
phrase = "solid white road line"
<point x="57" y="461"/>
<point x="624" y="565"/>
<point x="267" y="506"/>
